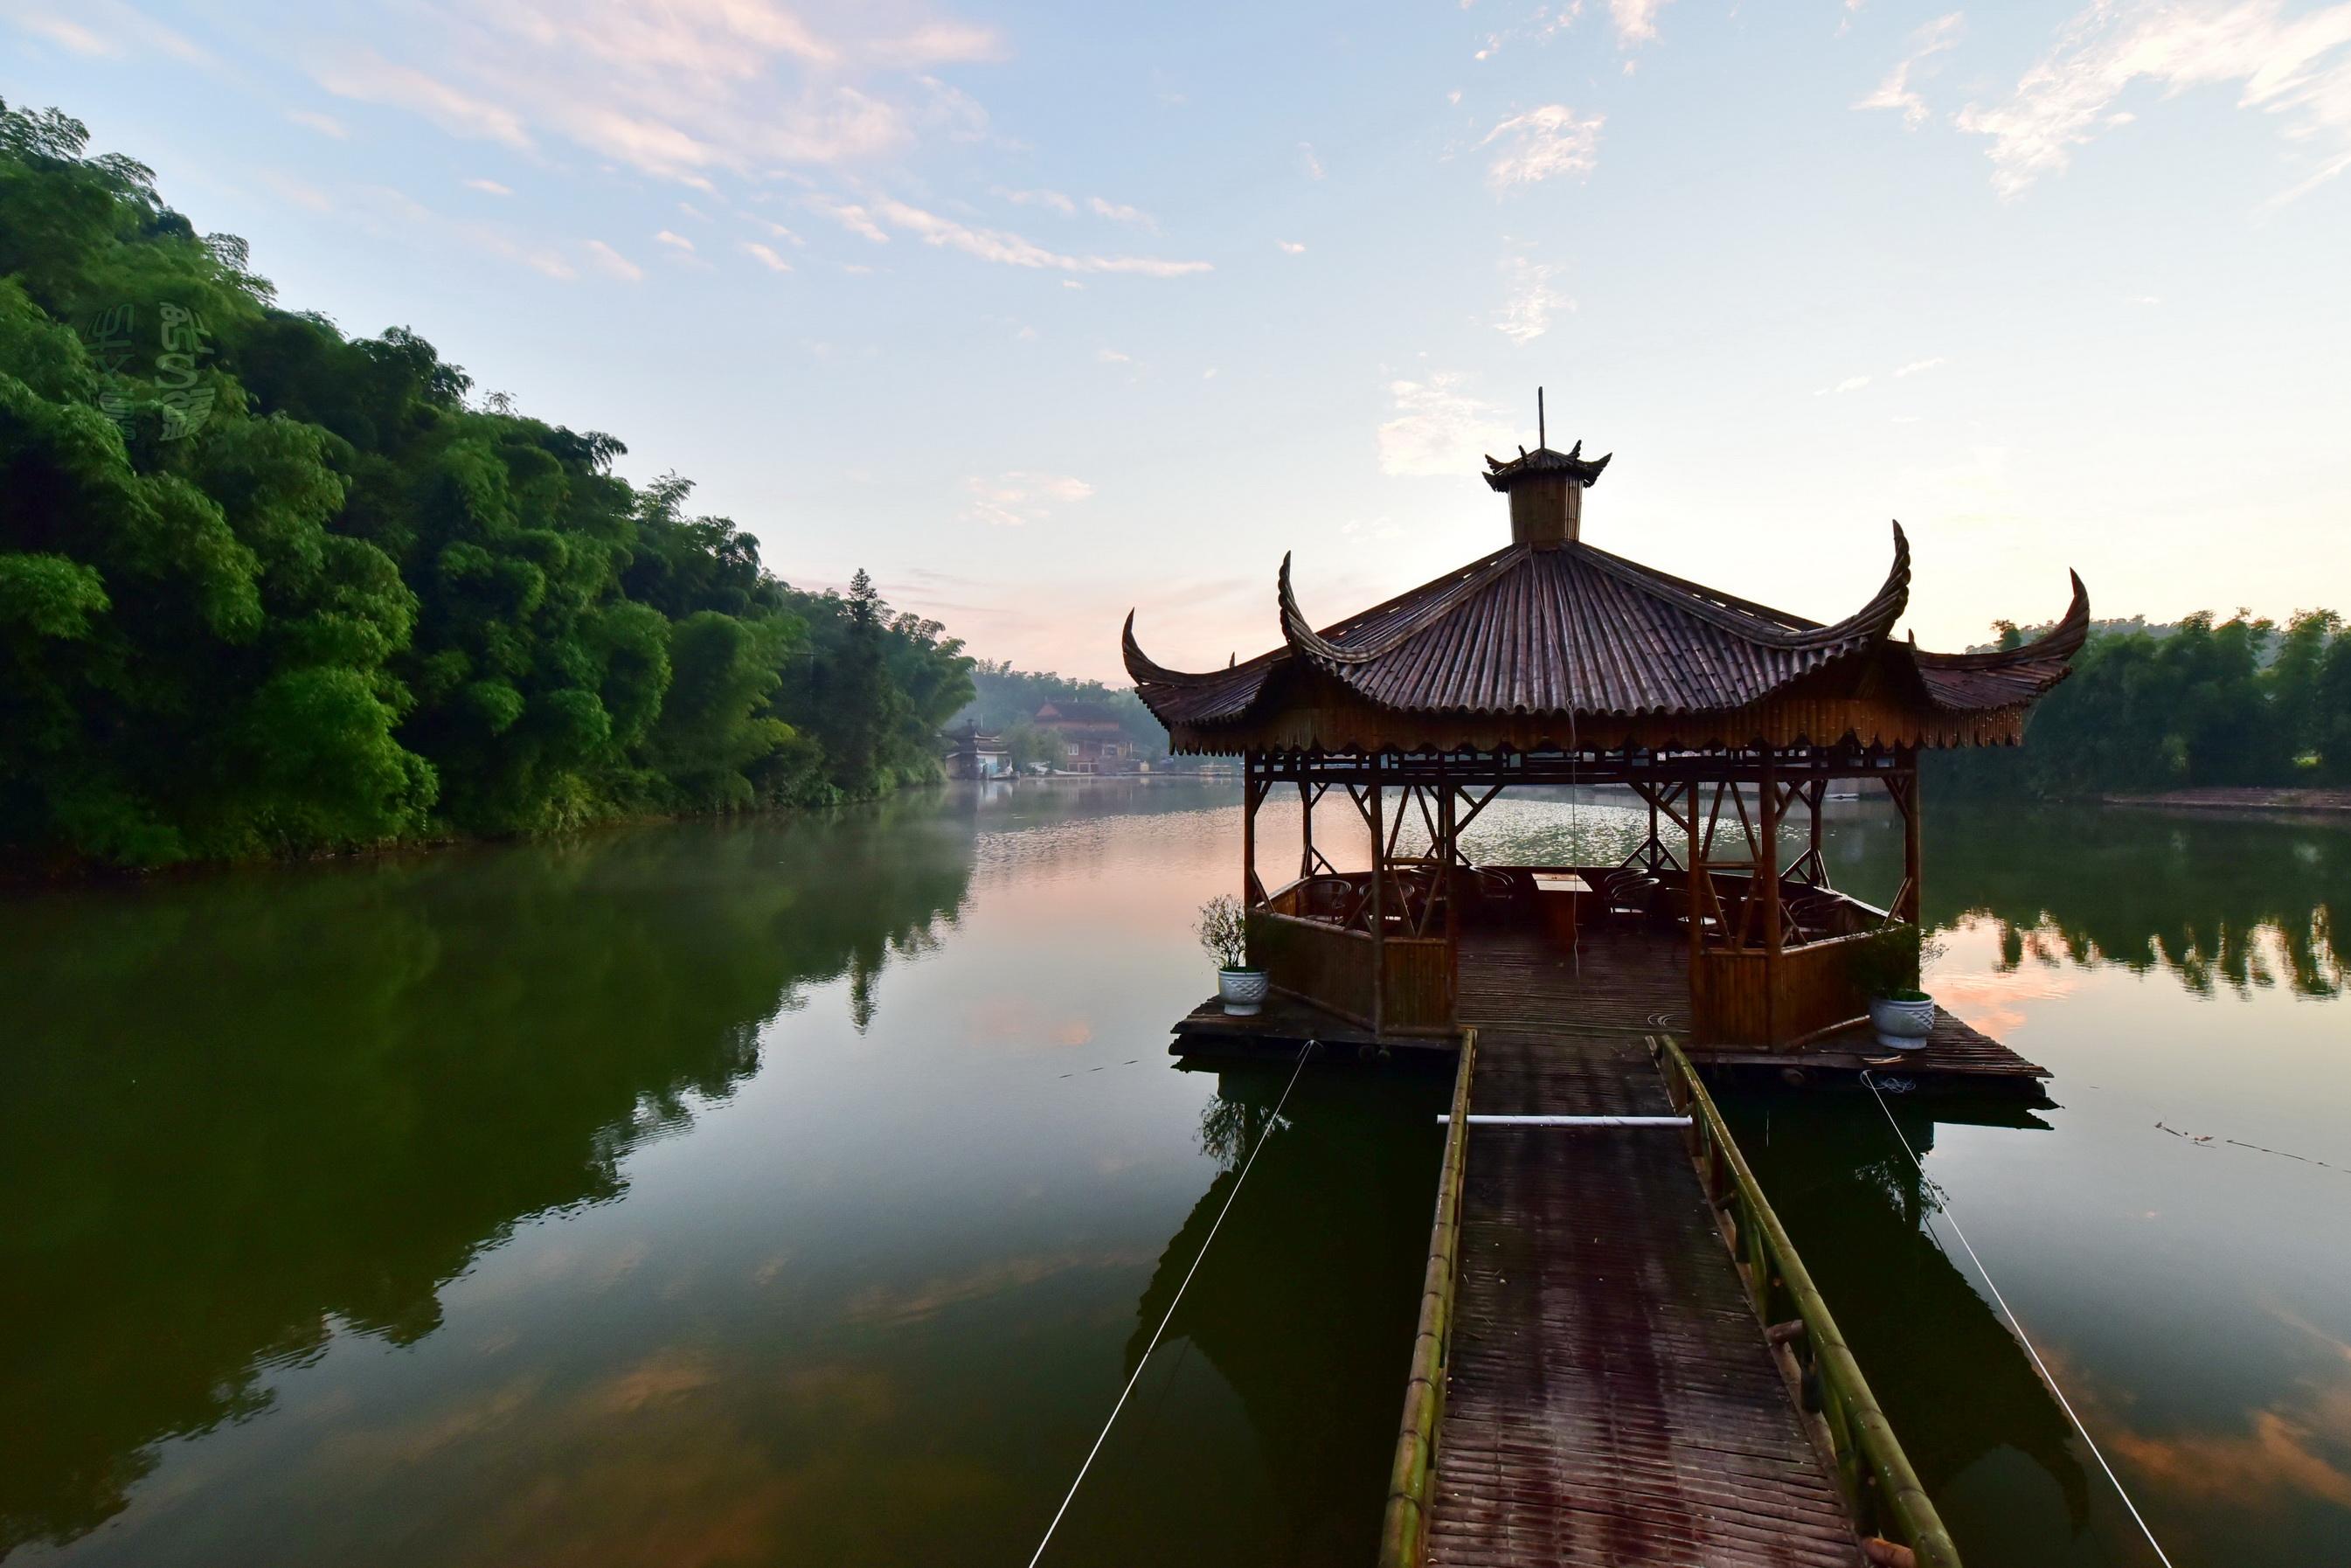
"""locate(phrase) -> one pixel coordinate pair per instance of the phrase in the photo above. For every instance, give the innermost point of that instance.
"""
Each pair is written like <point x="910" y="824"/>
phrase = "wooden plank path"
<point x="1611" y="1399"/>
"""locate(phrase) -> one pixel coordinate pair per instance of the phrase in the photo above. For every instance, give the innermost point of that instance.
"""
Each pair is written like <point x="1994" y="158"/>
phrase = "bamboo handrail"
<point x="1881" y="1491"/>
<point x="1404" y="1530"/>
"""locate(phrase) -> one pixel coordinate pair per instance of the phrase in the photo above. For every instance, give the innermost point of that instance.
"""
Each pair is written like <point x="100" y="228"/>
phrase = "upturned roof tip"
<point x="1501" y="473"/>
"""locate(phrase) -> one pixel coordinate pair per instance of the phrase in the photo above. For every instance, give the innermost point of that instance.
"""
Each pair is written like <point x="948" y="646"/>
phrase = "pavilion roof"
<point x="1574" y="634"/>
<point x="1503" y="473"/>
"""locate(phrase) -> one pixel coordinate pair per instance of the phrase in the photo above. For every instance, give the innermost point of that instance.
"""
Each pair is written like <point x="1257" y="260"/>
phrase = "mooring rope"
<point x="1144" y="1360"/>
<point x="1943" y="1202"/>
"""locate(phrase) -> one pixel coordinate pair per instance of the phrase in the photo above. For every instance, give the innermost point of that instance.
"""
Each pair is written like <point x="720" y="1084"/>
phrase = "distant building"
<point x="974" y="753"/>
<point x="1092" y="740"/>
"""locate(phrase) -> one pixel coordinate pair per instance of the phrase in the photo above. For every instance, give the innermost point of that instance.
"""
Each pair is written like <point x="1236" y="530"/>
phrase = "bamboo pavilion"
<point x="1553" y="661"/>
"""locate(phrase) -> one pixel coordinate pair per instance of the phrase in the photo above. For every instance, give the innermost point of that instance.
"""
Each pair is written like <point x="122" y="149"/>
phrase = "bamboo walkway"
<point x="1610" y="1399"/>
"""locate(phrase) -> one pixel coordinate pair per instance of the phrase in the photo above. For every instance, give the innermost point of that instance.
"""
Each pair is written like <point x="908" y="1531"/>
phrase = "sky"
<point x="1041" y="312"/>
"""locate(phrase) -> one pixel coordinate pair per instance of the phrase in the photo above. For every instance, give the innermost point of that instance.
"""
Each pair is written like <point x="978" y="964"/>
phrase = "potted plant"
<point x="1886" y="969"/>
<point x="1224" y="932"/>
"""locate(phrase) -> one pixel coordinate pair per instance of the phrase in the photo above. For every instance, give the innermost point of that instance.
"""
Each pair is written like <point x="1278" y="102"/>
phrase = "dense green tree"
<point x="2202" y="703"/>
<point x="267" y="588"/>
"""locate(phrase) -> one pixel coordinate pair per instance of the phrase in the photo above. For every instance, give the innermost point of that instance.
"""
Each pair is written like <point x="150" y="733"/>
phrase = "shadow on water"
<point x="1303" y="1315"/>
<point x="1989" y="1441"/>
<point x="241" y="1113"/>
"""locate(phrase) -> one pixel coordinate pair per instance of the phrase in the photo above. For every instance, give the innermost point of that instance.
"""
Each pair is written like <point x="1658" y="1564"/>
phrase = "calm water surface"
<point x="804" y="1191"/>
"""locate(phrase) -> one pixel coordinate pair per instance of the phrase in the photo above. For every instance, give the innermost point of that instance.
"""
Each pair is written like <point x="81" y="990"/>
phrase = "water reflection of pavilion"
<point x="1284" y="1310"/>
<point x="1946" y="1369"/>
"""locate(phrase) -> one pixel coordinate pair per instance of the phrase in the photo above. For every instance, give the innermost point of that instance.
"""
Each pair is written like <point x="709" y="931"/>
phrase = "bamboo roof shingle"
<point x="1568" y="633"/>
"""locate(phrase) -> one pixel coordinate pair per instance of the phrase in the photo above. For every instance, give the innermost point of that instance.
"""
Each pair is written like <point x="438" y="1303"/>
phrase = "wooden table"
<point x="1557" y="894"/>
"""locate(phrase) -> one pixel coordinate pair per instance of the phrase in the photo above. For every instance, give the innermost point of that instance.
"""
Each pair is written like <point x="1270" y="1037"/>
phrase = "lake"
<point x="805" y="1189"/>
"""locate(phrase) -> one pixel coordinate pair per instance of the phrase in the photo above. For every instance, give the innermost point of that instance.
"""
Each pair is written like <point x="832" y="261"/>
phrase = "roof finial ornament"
<point x="1539" y="442"/>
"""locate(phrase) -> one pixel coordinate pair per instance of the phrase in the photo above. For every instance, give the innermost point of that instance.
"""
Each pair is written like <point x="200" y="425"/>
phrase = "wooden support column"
<point x="1911" y="847"/>
<point x="1305" y="831"/>
<point x="1379" y="902"/>
<point x="1252" y="793"/>
<point x="1697" y="900"/>
<point x="1816" y="793"/>
<point x="1446" y="818"/>
<point x="1766" y="882"/>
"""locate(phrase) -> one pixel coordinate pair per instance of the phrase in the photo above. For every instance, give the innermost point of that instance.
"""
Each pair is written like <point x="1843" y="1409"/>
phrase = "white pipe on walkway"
<point x="1478" y="1120"/>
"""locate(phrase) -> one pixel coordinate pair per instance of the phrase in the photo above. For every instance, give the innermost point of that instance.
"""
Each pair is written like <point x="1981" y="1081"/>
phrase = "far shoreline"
<point x="2242" y="798"/>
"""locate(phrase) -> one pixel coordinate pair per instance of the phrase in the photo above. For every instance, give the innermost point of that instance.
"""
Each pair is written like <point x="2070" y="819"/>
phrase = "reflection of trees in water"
<point x="1952" y="1380"/>
<point x="246" y="1107"/>
<point x="1037" y="826"/>
<point x="1306" y="1305"/>
<point x="1230" y="1126"/>
<point x="2215" y="901"/>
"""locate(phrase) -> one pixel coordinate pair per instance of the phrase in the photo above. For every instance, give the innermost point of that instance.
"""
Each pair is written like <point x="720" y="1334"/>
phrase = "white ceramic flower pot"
<point x="1902" y="1025"/>
<point x="1243" y="990"/>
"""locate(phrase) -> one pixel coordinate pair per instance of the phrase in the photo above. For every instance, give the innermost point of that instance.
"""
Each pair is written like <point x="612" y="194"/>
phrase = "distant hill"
<point x="1005" y="698"/>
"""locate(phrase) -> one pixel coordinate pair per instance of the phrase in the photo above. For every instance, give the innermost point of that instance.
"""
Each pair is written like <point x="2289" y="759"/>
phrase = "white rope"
<point x="1271" y="1122"/>
<point x="1943" y="1197"/>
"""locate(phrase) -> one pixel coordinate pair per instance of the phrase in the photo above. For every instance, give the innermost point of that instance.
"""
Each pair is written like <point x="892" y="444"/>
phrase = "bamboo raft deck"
<point x="1630" y="981"/>
<point x="1610" y="1397"/>
<point x="1619" y="981"/>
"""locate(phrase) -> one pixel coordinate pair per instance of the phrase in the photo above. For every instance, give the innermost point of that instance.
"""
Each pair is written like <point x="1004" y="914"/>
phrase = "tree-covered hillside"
<point x="266" y="588"/>
<point x="2200" y="703"/>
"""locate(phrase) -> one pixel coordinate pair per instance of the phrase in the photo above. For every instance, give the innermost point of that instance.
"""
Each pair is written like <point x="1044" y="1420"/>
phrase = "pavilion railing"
<point x="1897" y="1519"/>
<point x="1412" y="1479"/>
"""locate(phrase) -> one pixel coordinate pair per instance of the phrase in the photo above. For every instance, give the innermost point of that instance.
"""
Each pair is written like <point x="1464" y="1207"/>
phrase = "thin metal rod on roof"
<point x="1539" y="442"/>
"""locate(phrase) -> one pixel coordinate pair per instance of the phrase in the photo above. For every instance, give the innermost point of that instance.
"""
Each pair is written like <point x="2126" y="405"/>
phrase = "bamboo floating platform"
<point x="1592" y="1384"/>
<point x="1619" y="981"/>
<point x="1611" y="1399"/>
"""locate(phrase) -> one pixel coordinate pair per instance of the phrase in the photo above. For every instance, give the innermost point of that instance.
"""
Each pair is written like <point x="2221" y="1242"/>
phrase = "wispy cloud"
<point x="1053" y="199"/>
<point x="1310" y="159"/>
<point x="670" y="237"/>
<point x="101" y="29"/>
<point x="682" y="91"/>
<point x="1292" y="246"/>
<point x="1916" y="367"/>
<point x="1112" y="357"/>
<point x="612" y="261"/>
<point x="297" y="193"/>
<point x="395" y="216"/>
<point x="1896" y="91"/>
<point x="1636" y="20"/>
<point x="850" y="216"/>
<point x="1439" y="427"/>
<point x="1121" y="214"/>
<point x="488" y="187"/>
<point x="1541" y="28"/>
<point x="765" y="256"/>
<point x="1541" y="144"/>
<point x="1850" y="383"/>
<point x="1008" y="249"/>
<point x="1529" y="299"/>
<point x="324" y="124"/>
<point x="367" y="77"/>
<point x="1010" y="500"/>
<point x="2297" y="67"/>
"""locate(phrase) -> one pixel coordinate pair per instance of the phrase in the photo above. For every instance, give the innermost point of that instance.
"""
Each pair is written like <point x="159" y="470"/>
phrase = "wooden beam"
<point x="1252" y="793"/>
